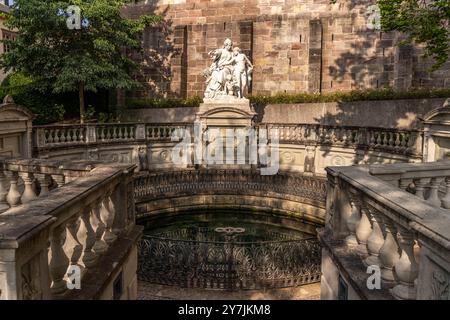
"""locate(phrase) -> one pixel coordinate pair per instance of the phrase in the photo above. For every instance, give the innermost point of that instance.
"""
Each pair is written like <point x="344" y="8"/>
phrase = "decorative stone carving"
<point x="143" y="158"/>
<point x="31" y="279"/>
<point x="310" y="159"/>
<point x="229" y="74"/>
<point x="440" y="286"/>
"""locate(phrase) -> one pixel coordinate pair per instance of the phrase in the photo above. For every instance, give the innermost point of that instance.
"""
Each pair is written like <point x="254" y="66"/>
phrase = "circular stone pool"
<point x="229" y="251"/>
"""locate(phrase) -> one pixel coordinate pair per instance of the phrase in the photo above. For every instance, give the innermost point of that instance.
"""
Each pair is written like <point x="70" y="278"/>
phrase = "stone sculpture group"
<point x="229" y="74"/>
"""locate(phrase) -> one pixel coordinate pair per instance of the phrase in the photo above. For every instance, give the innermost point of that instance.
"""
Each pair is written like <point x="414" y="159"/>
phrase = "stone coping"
<point x="47" y="166"/>
<point x="402" y="207"/>
<point x="18" y="223"/>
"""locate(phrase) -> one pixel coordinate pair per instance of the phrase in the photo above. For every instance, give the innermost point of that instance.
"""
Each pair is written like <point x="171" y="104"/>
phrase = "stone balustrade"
<point x="54" y="136"/>
<point x="22" y="181"/>
<point x="303" y="147"/>
<point x="429" y="181"/>
<point x="372" y="222"/>
<point x="70" y="217"/>
<point x="407" y="142"/>
<point x="389" y="140"/>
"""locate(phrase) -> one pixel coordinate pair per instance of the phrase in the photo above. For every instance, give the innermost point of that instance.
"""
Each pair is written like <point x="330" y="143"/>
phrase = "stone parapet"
<point x="60" y="224"/>
<point x="389" y="224"/>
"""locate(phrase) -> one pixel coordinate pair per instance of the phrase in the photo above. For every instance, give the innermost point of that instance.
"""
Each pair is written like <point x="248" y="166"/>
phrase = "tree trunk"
<point x="81" y="97"/>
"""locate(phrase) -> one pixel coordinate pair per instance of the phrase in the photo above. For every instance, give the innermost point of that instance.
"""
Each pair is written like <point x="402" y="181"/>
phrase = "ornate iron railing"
<point x="229" y="265"/>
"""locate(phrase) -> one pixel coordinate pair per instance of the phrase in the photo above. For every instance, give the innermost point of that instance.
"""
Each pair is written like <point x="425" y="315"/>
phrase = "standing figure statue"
<point x="229" y="74"/>
<point x="242" y="71"/>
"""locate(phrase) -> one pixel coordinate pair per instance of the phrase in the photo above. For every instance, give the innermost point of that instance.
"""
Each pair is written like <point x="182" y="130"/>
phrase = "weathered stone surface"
<point x="282" y="41"/>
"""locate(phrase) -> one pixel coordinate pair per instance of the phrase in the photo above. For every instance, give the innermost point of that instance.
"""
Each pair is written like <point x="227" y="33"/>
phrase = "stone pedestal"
<point x="229" y="111"/>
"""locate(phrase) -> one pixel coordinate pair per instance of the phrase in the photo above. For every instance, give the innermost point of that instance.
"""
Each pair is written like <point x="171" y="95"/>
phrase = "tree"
<point x="56" y="54"/>
<point x="426" y="22"/>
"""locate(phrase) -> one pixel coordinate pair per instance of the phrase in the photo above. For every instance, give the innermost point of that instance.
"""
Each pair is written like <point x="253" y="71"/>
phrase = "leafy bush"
<point x="349" y="96"/>
<point x="48" y="107"/>
<point x="163" y="103"/>
<point x="283" y="98"/>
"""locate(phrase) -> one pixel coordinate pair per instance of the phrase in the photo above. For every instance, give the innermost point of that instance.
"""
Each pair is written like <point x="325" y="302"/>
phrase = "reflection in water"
<point x="188" y="251"/>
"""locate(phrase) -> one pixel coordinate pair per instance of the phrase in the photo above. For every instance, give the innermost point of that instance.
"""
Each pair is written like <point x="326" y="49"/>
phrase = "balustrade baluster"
<point x="48" y="136"/>
<point x="385" y="141"/>
<point x="404" y="183"/>
<point x="4" y="186"/>
<point x="363" y="230"/>
<point x="375" y="240"/>
<point x="28" y="193"/>
<point x="354" y="218"/>
<point x="64" y="134"/>
<point x="397" y="140"/>
<point x="73" y="247"/>
<point x="102" y="133"/>
<point x="433" y="198"/>
<point x="58" y="261"/>
<point x="389" y="252"/>
<point x="406" y="268"/>
<point x="98" y="227"/>
<point x="391" y="142"/>
<point x="81" y="134"/>
<point x="86" y="237"/>
<point x="404" y="141"/>
<point x="421" y="183"/>
<point x="44" y="183"/>
<point x="445" y="201"/>
<point x="373" y="138"/>
<point x="59" y="179"/>
<point x="14" y="195"/>
<point x="57" y="135"/>
<point x="107" y="215"/>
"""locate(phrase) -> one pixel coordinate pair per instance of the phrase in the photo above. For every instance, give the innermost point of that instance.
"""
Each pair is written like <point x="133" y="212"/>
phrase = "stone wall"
<point x="306" y="45"/>
<point x="400" y="114"/>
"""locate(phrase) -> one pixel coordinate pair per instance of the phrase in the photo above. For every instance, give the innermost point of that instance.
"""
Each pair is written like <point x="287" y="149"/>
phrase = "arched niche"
<point x="15" y="129"/>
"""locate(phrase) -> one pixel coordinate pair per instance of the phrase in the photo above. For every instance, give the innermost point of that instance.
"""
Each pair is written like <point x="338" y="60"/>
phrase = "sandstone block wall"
<point x="301" y="45"/>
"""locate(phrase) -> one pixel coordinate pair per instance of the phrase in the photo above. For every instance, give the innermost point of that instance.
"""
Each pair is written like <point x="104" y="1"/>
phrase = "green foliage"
<point x="426" y="22"/>
<point x="89" y="114"/>
<point x="48" y="107"/>
<point x="349" y="96"/>
<point x="163" y="103"/>
<point x="65" y="60"/>
<point x="283" y="98"/>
